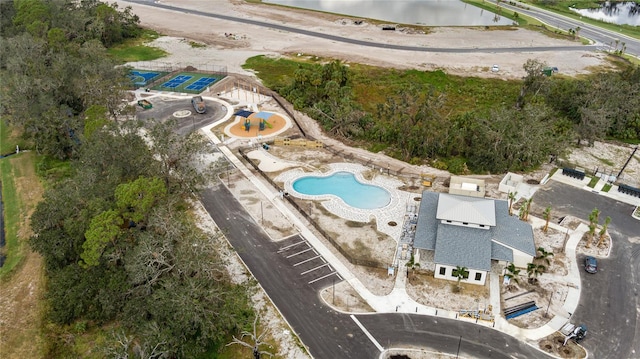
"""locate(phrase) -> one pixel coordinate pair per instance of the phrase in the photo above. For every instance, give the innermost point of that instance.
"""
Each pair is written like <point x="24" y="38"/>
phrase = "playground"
<point x="250" y="124"/>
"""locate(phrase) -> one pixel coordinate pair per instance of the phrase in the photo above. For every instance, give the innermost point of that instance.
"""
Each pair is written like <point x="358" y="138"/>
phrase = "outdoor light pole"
<point x="458" y="351"/>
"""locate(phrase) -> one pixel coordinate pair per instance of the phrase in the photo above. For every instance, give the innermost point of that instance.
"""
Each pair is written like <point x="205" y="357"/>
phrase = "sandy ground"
<point x="231" y="43"/>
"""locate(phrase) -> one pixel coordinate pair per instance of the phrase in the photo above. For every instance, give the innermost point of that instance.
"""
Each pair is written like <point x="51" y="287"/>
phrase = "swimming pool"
<point x="347" y="187"/>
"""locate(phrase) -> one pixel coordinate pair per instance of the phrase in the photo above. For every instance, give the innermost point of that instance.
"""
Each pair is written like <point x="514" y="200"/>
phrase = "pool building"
<point x="471" y="232"/>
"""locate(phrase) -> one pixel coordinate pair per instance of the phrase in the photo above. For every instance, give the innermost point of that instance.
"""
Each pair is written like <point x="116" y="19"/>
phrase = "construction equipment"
<point x="145" y="104"/>
<point x="427" y="179"/>
<point x="577" y="333"/>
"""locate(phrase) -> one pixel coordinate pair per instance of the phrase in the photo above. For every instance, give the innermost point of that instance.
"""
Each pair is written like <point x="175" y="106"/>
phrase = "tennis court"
<point x="201" y="83"/>
<point x="190" y="82"/>
<point x="176" y="81"/>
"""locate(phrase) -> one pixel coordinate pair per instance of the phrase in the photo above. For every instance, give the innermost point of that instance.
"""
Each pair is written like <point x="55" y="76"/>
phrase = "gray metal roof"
<point x="501" y="253"/>
<point x="466" y="209"/>
<point x="463" y="246"/>
<point x="471" y="247"/>
<point x="511" y="231"/>
<point x="427" y="225"/>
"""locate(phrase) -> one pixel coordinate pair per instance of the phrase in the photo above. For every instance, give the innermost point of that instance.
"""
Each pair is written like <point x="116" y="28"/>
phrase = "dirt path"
<point x="231" y="43"/>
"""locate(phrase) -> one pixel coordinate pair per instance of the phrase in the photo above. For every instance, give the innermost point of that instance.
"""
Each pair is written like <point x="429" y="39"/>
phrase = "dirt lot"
<point x="232" y="43"/>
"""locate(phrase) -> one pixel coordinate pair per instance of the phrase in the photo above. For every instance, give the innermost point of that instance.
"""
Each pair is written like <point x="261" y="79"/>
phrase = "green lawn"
<point x="137" y="50"/>
<point x="20" y="194"/>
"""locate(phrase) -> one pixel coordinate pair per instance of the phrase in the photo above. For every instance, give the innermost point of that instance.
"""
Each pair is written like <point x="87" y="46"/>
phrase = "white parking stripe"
<point x="289" y="246"/>
<point x="312" y="269"/>
<point x="307" y="260"/>
<point x="295" y="254"/>
<point x="323" y="277"/>
<point x="366" y="332"/>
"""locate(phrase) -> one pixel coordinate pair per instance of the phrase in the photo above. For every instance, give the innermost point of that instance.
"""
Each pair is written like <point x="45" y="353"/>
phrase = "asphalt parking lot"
<point x="164" y="109"/>
<point x="609" y="299"/>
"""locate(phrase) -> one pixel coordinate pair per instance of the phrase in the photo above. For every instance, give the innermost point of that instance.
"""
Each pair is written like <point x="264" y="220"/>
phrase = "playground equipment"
<point x="247" y="124"/>
<point x="264" y="123"/>
<point x="145" y="104"/>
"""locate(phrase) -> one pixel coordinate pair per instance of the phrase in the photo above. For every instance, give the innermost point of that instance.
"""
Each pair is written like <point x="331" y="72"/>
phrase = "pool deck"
<point x="392" y="212"/>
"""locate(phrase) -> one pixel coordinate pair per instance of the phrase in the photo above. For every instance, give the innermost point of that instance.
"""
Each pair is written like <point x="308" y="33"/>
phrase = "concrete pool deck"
<point x="394" y="211"/>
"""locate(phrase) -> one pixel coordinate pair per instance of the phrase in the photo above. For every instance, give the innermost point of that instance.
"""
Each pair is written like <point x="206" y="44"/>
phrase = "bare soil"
<point x="231" y="43"/>
<point x="21" y="291"/>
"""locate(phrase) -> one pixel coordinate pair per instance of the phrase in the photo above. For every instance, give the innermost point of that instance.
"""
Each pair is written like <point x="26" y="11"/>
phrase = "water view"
<point x="421" y="12"/>
<point x="614" y="12"/>
<point x="347" y="187"/>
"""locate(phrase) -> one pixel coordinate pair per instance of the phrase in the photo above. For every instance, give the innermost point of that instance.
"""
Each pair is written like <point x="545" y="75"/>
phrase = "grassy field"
<point x="372" y="85"/>
<point x="22" y="276"/>
<point x="137" y="50"/>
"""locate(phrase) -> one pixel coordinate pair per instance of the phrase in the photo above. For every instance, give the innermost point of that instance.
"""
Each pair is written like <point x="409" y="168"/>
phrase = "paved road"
<point x="163" y="109"/>
<point x="609" y="303"/>
<point x="362" y="42"/>
<point x="292" y="276"/>
<point x="602" y="37"/>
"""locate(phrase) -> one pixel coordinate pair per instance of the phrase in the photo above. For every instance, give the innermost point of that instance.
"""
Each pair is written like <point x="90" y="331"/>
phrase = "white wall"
<point x="448" y="275"/>
<point x="520" y="259"/>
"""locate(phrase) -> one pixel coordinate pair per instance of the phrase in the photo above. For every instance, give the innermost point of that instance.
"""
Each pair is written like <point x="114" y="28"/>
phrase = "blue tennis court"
<point x="201" y="83"/>
<point x="176" y="81"/>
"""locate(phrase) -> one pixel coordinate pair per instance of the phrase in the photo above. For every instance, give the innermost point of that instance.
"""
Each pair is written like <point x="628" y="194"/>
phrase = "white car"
<point x="495" y="68"/>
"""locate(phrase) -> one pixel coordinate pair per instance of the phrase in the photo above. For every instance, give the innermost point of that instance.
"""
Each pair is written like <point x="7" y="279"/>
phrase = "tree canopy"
<point x="411" y="116"/>
<point x="119" y="243"/>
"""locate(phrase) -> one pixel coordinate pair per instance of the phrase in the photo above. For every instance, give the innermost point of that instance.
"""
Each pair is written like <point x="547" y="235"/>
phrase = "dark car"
<point x="590" y="264"/>
<point x="198" y="104"/>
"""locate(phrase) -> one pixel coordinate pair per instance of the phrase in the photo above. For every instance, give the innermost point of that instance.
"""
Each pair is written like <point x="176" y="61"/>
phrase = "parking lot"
<point x="308" y="264"/>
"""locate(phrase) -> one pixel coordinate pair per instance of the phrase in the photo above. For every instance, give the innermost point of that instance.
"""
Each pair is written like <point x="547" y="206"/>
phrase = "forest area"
<point x="122" y="253"/>
<point x="459" y="124"/>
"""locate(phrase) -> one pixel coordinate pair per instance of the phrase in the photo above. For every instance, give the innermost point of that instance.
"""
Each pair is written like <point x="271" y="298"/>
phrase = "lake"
<point x="410" y="12"/>
<point x="614" y="12"/>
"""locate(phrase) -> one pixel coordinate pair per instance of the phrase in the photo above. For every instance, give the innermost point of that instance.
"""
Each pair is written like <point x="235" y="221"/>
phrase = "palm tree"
<point x="593" y="225"/>
<point x="527" y="205"/>
<point x="533" y="271"/>
<point x="603" y="231"/>
<point x="513" y="273"/>
<point x="547" y="216"/>
<point x="512" y="197"/>
<point x="461" y="273"/>
<point x="544" y="255"/>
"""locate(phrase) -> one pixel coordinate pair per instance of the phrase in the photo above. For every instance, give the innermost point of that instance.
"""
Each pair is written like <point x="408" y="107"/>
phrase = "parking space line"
<point x="307" y="260"/>
<point x="312" y="269"/>
<point x="289" y="246"/>
<point x="323" y="277"/>
<point x="366" y="332"/>
<point x="295" y="254"/>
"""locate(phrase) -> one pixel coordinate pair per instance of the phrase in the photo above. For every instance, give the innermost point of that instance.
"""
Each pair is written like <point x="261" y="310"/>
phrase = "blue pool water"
<point x="346" y="186"/>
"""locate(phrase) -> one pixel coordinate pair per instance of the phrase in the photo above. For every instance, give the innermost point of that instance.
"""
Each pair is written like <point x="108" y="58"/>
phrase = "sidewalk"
<point x="398" y="300"/>
<point x="583" y="184"/>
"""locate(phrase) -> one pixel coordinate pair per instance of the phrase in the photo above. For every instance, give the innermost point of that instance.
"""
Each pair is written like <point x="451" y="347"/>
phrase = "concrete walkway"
<point x="398" y="300"/>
